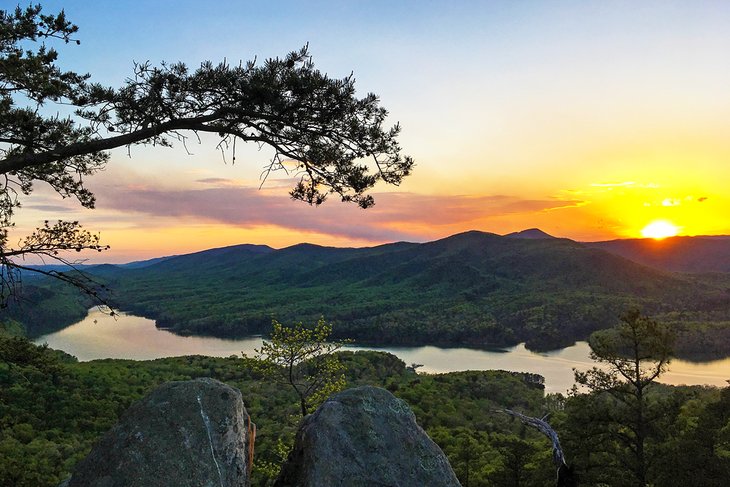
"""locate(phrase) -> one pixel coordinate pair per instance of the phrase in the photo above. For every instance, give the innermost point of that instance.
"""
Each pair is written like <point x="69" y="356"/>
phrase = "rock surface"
<point x="190" y="433"/>
<point x="365" y="437"/>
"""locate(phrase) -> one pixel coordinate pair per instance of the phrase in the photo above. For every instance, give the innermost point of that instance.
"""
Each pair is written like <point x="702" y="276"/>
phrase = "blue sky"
<point x="582" y="118"/>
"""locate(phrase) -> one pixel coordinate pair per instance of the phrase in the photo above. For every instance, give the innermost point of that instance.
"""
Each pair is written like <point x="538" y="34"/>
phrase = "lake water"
<point x="132" y="337"/>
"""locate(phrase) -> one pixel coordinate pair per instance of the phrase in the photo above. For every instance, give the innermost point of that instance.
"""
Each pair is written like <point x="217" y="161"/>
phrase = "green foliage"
<point x="635" y="353"/>
<point x="303" y="358"/>
<point x="472" y="289"/>
<point x="47" y="424"/>
<point x="269" y="469"/>
<point x="18" y="351"/>
<point x="694" y="451"/>
<point x="52" y="409"/>
<point x="11" y="327"/>
<point x="682" y="447"/>
<point x="339" y="143"/>
<point x="35" y="76"/>
<point x="469" y="290"/>
<point x="45" y="305"/>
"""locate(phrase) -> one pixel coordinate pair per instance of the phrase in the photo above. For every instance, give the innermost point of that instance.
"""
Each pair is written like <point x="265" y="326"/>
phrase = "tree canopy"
<point x="335" y="142"/>
<point x="635" y="354"/>
<point x="303" y="358"/>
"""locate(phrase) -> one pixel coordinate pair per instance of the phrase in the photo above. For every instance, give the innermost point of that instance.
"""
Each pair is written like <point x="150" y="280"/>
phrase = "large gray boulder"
<point x="190" y="433"/>
<point x="365" y="437"/>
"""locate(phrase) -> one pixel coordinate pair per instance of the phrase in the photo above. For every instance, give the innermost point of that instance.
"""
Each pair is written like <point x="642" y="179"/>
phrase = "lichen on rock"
<point x="188" y="433"/>
<point x="364" y="437"/>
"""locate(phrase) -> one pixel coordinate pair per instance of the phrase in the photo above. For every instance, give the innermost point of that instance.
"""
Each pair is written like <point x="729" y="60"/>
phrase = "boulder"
<point x="189" y="433"/>
<point x="364" y="437"/>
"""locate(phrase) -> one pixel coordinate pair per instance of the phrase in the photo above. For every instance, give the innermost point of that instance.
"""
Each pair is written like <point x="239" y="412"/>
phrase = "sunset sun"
<point x="659" y="229"/>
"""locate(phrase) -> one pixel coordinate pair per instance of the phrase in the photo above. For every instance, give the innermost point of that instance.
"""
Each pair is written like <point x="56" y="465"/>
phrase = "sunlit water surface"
<point x="132" y="337"/>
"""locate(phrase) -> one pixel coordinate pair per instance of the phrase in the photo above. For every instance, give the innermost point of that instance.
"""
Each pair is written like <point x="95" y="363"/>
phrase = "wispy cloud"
<point x="50" y="208"/>
<point x="396" y="216"/>
<point x="614" y="185"/>
<point x="216" y="181"/>
<point x="671" y="202"/>
<point x="569" y="204"/>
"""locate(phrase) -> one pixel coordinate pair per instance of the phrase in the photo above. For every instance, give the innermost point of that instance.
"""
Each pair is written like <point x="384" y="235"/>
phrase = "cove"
<point x="100" y="336"/>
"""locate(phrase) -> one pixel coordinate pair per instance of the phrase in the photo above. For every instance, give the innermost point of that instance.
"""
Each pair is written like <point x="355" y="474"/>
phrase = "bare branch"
<point x="565" y="474"/>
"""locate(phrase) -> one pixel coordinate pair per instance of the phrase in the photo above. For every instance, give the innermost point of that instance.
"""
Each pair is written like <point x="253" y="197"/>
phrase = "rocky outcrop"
<point x="365" y="437"/>
<point x="190" y="433"/>
<point x="197" y="433"/>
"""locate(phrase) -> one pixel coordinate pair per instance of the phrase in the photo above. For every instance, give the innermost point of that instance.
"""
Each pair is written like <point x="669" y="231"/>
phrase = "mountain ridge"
<point x="534" y="233"/>
<point x="698" y="254"/>
<point x="473" y="288"/>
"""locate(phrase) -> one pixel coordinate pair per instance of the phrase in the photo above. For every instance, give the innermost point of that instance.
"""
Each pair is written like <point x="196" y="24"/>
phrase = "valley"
<point x="472" y="289"/>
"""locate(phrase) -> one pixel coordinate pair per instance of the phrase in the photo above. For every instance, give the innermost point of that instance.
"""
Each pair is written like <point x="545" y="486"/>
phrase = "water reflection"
<point x="132" y="337"/>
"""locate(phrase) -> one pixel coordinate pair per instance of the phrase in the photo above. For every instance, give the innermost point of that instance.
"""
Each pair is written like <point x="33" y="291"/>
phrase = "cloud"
<point x="50" y="208"/>
<point x="671" y="202"/>
<point x="613" y="185"/>
<point x="216" y="181"/>
<point x="568" y="204"/>
<point x="47" y="201"/>
<point x="244" y="207"/>
<point x="396" y="216"/>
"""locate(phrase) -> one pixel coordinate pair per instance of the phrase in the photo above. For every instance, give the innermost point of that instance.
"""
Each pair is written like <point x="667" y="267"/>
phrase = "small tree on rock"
<point x="303" y="358"/>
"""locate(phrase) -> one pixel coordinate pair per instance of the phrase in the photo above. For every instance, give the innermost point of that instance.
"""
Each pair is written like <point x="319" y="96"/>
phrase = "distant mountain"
<point x="471" y="289"/>
<point x="212" y="259"/>
<point x="677" y="254"/>
<point x="144" y="263"/>
<point x="530" y="233"/>
<point x="50" y="268"/>
<point x="85" y="267"/>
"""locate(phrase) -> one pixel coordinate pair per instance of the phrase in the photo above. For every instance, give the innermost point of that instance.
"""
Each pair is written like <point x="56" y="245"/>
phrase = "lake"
<point x="132" y="337"/>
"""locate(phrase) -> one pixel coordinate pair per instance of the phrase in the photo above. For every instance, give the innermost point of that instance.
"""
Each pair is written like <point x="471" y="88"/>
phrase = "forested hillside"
<point x="678" y="254"/>
<point x="474" y="289"/>
<point x="52" y="409"/>
<point x="43" y="306"/>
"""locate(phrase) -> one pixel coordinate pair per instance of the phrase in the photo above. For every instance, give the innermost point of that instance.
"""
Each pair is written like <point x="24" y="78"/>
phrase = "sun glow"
<point x="659" y="229"/>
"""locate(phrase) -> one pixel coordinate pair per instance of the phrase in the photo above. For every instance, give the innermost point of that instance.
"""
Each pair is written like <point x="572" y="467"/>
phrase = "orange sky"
<point x="588" y="120"/>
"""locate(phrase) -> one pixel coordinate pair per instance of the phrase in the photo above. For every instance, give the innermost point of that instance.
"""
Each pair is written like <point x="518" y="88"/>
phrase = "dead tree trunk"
<point x="566" y="477"/>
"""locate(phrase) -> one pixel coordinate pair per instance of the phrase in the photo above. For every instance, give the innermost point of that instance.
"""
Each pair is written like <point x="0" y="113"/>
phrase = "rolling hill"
<point x="677" y="254"/>
<point x="474" y="289"/>
<point x="471" y="289"/>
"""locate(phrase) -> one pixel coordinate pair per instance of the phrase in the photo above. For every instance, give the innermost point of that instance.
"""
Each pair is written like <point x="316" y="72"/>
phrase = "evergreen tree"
<point x="622" y="410"/>
<point x="334" y="141"/>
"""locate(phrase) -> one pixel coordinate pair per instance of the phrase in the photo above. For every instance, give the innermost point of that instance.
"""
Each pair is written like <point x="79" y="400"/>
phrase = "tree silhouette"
<point x="333" y="141"/>
<point x="635" y="354"/>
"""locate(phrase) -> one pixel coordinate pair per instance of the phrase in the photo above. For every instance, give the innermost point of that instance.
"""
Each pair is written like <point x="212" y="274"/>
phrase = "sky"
<point x="589" y="120"/>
